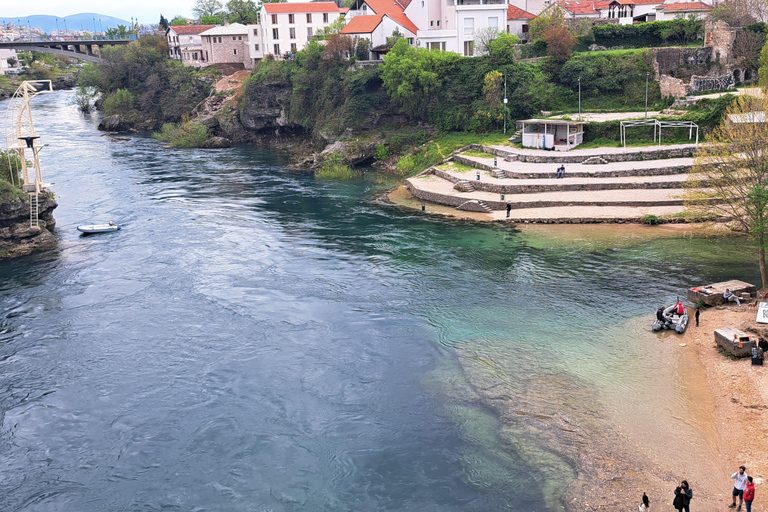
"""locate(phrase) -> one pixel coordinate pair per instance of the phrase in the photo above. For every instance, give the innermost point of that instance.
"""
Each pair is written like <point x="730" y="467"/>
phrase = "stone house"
<point x="185" y="43"/>
<point x="226" y="45"/>
<point x="517" y="22"/>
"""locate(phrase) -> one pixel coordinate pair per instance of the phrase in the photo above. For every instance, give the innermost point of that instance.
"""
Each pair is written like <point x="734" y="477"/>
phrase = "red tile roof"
<point x="272" y="8"/>
<point x="186" y="30"/>
<point x="362" y="24"/>
<point x="516" y="13"/>
<point x="684" y="6"/>
<point x="404" y="21"/>
<point x="404" y="3"/>
<point x="578" y="6"/>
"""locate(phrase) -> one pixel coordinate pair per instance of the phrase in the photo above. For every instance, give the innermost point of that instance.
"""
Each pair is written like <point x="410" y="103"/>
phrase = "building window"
<point x="255" y="31"/>
<point x="275" y="34"/>
<point x="493" y="22"/>
<point x="469" y="26"/>
<point x="431" y="23"/>
<point x="256" y="47"/>
<point x="469" y="48"/>
<point x="437" y="46"/>
<point x="293" y="47"/>
<point x="290" y="18"/>
<point x="234" y="38"/>
<point x="235" y="51"/>
<point x="277" y="49"/>
<point x="274" y="19"/>
<point x="325" y="17"/>
<point x="309" y="17"/>
<point x="239" y="38"/>
<point x="422" y="3"/>
<point x="410" y="41"/>
<point x="525" y="29"/>
<point x="292" y="33"/>
<point x="438" y="23"/>
<point x="309" y="32"/>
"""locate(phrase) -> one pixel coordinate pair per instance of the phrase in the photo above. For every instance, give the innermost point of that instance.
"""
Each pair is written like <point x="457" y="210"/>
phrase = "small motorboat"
<point x="669" y="319"/>
<point x="99" y="228"/>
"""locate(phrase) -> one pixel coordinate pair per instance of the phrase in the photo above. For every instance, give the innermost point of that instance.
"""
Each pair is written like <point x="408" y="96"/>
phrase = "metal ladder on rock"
<point x="33" y="209"/>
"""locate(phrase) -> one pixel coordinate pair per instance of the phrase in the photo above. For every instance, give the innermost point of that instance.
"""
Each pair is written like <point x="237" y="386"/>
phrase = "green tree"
<point x="763" y="70"/>
<point x="334" y="28"/>
<point x="394" y="38"/>
<point x="207" y="8"/>
<point x="120" y="32"/>
<point x="179" y="21"/>
<point x="242" y="11"/>
<point x="163" y="23"/>
<point x="502" y="49"/>
<point x="729" y="178"/>
<point x="552" y="17"/>
<point x="493" y="84"/>
<point x="212" y="19"/>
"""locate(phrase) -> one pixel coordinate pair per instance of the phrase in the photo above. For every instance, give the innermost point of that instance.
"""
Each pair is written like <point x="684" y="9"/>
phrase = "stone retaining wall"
<point x="575" y="158"/>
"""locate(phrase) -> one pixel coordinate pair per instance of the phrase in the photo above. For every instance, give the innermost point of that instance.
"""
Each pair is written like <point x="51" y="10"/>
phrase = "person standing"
<point x="509" y="209"/>
<point x="749" y="494"/>
<point x="683" y="495"/>
<point x="698" y="311"/>
<point x="739" y="486"/>
<point x="645" y="505"/>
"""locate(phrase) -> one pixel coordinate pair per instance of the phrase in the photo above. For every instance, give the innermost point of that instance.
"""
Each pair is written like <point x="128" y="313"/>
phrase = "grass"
<point x="725" y="353"/>
<point x="456" y="167"/>
<point x="475" y="153"/>
<point x="9" y="192"/>
<point x="441" y="147"/>
<point x="183" y="135"/>
<point x="334" y="168"/>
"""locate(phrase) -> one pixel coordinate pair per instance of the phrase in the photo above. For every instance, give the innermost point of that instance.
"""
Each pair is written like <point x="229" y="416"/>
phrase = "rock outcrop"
<point x="17" y="237"/>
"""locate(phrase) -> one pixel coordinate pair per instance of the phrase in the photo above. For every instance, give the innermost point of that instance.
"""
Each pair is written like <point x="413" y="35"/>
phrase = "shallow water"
<point x="256" y="339"/>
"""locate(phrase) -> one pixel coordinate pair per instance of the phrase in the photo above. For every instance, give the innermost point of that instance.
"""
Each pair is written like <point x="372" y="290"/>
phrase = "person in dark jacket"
<point x="683" y="495"/>
<point x="698" y="312"/>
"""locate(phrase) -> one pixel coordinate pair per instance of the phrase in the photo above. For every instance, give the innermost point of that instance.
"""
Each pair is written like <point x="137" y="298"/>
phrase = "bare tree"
<point x="729" y="178"/>
<point x="738" y="13"/>
<point x="483" y="38"/>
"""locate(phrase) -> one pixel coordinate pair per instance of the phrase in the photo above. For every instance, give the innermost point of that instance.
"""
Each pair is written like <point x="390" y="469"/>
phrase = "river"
<point x="255" y="339"/>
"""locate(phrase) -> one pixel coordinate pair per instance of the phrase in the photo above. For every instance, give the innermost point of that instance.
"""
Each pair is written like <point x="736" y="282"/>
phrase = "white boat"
<point x="668" y="319"/>
<point x="99" y="228"/>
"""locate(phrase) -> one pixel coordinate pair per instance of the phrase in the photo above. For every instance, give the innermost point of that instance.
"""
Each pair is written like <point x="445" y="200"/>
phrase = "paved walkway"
<point x="676" y="164"/>
<point x="487" y="177"/>
<point x="587" y="153"/>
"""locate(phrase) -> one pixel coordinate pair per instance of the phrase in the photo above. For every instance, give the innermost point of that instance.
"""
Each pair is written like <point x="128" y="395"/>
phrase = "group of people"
<point x="677" y="309"/>
<point x="743" y="489"/>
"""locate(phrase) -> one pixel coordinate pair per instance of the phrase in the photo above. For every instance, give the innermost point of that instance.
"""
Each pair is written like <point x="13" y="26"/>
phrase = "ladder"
<point x="33" y="209"/>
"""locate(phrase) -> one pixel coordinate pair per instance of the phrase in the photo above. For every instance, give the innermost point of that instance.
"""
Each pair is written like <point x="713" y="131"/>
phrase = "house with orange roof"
<point x="671" y="11"/>
<point x="185" y="43"/>
<point x="285" y="28"/>
<point x="517" y="22"/>
<point x="534" y="7"/>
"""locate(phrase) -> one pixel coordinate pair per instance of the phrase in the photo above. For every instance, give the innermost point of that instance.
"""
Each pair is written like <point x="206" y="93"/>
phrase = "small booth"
<point x="712" y="294"/>
<point x="556" y="134"/>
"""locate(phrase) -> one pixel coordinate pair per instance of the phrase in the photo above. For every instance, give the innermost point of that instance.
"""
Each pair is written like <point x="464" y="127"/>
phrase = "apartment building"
<point x="185" y="43"/>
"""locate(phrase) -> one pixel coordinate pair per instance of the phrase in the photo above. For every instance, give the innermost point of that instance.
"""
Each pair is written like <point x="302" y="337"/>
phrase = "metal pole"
<point x="646" y="94"/>
<point x="579" y="98"/>
<point x="505" y="103"/>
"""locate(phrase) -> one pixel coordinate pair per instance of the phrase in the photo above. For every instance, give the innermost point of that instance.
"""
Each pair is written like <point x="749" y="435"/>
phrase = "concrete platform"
<point x="735" y="341"/>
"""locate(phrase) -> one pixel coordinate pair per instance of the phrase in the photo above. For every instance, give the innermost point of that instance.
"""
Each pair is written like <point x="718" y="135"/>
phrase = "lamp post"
<point x="505" y="103"/>
<point x="58" y="33"/>
<point x="579" y="98"/>
<point x="66" y="30"/>
<point x="94" y="26"/>
<point x="646" y="94"/>
<point x="101" y="27"/>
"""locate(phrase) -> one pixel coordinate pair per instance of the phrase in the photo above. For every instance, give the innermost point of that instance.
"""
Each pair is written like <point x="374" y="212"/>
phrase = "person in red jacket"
<point x="749" y="494"/>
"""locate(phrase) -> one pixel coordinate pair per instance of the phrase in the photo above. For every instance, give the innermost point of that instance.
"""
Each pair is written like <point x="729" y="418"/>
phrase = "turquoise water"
<point x="256" y="339"/>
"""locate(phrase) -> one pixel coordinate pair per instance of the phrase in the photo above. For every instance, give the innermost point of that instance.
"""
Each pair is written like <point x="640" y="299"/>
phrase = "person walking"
<point x="645" y="505"/>
<point x="739" y="486"/>
<point x="683" y="495"/>
<point x="749" y="494"/>
<point x="698" y="311"/>
<point x="509" y="209"/>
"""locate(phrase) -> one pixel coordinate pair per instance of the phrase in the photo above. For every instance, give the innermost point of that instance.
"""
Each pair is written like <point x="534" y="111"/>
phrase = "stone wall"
<point x="575" y="157"/>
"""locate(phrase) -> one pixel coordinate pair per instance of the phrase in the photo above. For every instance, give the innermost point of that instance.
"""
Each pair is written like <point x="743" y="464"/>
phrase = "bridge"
<point x="83" y="49"/>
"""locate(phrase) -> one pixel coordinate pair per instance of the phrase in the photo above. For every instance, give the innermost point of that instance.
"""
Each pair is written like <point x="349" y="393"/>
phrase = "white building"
<point x="5" y="66"/>
<point x="517" y="22"/>
<point x="672" y="11"/>
<point x="288" y="27"/>
<point x="185" y="43"/>
<point x="448" y="25"/>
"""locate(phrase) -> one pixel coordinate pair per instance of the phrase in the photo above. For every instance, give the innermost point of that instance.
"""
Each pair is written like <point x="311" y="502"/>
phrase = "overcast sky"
<point x="147" y="11"/>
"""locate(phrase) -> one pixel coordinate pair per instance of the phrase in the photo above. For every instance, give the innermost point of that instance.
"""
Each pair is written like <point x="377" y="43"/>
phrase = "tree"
<point x="179" y="21"/>
<point x="552" y="17"/>
<point x="738" y="13"/>
<point x="729" y="177"/>
<point x="362" y="49"/>
<point x="207" y="8"/>
<point x="483" y="39"/>
<point x="121" y="32"/>
<point x="212" y="19"/>
<point x="493" y="85"/>
<point x="338" y="48"/>
<point x="163" y="22"/>
<point x="334" y="28"/>
<point x="502" y="49"/>
<point x="560" y="43"/>
<point x="242" y="11"/>
<point x="747" y="46"/>
<point x="394" y="38"/>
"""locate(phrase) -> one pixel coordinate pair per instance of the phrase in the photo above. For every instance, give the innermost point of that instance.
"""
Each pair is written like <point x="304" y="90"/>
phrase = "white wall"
<point x="283" y="26"/>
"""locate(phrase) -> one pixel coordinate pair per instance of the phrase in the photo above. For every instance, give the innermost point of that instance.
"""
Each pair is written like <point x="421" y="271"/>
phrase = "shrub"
<point x="10" y="165"/>
<point x="380" y="152"/>
<point x="651" y="220"/>
<point x="119" y="103"/>
<point x="183" y="135"/>
<point x="333" y="167"/>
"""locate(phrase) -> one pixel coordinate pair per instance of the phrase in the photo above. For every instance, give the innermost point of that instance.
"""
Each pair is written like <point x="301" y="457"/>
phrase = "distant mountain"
<point x="84" y="21"/>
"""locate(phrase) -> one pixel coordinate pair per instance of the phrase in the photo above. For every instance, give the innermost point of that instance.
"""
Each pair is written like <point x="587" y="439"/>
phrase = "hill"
<point x="83" y="21"/>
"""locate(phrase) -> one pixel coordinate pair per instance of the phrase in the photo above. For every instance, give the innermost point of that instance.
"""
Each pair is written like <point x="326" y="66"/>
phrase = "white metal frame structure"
<point x="657" y="126"/>
<point x="20" y="132"/>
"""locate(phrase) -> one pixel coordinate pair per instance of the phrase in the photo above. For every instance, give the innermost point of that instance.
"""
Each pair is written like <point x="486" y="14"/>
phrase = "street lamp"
<point x="66" y="30"/>
<point x="646" y="94"/>
<point x="58" y="32"/>
<point x="505" y="103"/>
<point x="101" y="27"/>
<point x="579" y="98"/>
<point x="94" y="26"/>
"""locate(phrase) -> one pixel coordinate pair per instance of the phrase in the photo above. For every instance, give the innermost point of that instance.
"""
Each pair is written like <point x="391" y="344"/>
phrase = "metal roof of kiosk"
<point x="657" y="126"/>
<point x="557" y="134"/>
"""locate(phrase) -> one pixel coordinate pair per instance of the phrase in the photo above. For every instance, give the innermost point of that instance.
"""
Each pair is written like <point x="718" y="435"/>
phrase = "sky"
<point x="147" y="11"/>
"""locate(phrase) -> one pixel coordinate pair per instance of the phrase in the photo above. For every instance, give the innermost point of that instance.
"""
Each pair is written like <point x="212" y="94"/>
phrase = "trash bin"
<point x="757" y="356"/>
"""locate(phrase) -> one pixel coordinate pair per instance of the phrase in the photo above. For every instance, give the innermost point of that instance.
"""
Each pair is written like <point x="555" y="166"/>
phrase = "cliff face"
<point x="265" y="107"/>
<point x="17" y="238"/>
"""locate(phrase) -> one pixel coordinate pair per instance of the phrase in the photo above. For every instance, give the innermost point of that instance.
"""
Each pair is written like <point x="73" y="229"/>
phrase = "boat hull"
<point x="98" y="228"/>
<point x="678" y="323"/>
